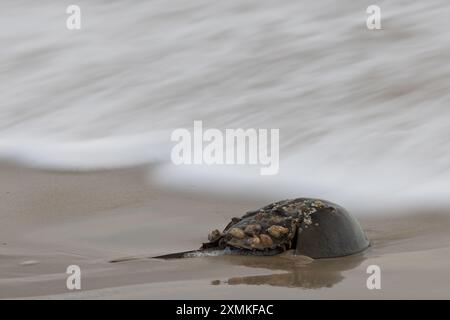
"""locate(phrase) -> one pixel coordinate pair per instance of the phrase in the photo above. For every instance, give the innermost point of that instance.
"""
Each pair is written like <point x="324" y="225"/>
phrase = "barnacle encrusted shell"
<point x="236" y="233"/>
<point x="214" y="235"/>
<point x="312" y="227"/>
<point x="277" y="231"/>
<point x="252" y="229"/>
<point x="271" y="227"/>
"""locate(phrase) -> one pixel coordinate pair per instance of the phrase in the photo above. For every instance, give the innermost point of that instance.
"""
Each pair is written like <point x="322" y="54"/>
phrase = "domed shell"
<point x="313" y="227"/>
<point x="334" y="233"/>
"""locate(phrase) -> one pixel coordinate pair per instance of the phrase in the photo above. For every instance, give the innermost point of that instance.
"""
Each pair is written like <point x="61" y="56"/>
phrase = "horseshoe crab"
<point x="312" y="227"/>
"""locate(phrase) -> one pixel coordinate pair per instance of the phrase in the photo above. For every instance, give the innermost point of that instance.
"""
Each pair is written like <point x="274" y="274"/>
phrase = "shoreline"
<point x="50" y="220"/>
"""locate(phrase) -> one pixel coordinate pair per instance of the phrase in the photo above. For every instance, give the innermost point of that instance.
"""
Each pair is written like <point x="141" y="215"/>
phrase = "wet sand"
<point x="50" y="220"/>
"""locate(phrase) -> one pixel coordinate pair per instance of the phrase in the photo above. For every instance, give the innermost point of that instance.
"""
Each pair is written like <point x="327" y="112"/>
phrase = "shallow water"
<point x="57" y="219"/>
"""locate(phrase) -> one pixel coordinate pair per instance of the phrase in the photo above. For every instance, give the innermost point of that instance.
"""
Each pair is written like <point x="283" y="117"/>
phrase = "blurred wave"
<point x="361" y="113"/>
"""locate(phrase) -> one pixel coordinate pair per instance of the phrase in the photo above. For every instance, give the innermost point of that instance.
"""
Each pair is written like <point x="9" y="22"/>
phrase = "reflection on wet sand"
<point x="294" y="271"/>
